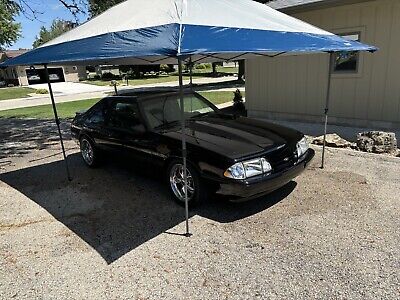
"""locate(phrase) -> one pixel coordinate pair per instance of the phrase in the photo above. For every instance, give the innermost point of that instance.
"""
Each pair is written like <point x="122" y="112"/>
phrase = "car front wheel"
<point x="196" y="191"/>
<point x="89" y="152"/>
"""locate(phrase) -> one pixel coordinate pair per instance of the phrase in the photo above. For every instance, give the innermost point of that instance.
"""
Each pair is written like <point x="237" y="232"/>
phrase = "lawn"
<point x="15" y="92"/>
<point x="68" y="109"/>
<point x="65" y="110"/>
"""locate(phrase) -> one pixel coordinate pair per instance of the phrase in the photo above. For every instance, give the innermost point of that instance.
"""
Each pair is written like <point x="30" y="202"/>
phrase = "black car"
<point x="233" y="156"/>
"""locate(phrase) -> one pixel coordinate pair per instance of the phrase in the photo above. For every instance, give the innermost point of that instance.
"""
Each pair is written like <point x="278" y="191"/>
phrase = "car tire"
<point x="90" y="154"/>
<point x="197" y="191"/>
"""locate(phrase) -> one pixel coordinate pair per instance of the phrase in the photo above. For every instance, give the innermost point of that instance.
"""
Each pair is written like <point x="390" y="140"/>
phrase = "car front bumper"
<point x="258" y="186"/>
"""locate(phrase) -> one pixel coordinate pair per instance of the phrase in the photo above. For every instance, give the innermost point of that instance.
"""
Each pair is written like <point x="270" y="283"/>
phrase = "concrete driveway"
<point x="114" y="233"/>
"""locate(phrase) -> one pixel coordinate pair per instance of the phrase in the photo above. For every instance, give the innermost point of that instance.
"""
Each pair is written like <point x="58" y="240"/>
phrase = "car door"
<point x="114" y="129"/>
<point x="138" y="141"/>
<point x="94" y="125"/>
<point x="127" y="131"/>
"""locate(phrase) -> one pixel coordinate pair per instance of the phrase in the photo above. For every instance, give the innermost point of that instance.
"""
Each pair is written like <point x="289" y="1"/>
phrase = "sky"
<point x="49" y="10"/>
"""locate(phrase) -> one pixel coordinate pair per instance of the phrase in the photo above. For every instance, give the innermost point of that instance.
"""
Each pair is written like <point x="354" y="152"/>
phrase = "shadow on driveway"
<point x="116" y="208"/>
<point x="20" y="136"/>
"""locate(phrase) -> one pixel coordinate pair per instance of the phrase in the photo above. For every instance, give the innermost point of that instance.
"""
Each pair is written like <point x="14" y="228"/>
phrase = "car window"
<point x="125" y="115"/>
<point x="166" y="110"/>
<point x="96" y="116"/>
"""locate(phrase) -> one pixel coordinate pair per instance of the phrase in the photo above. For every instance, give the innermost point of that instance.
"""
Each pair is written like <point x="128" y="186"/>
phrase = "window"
<point x="167" y="110"/>
<point x="125" y="115"/>
<point x="96" y="117"/>
<point x="347" y="62"/>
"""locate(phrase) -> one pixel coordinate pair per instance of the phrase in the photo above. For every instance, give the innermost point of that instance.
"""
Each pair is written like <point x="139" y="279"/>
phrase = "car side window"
<point x="125" y="116"/>
<point x="96" y="116"/>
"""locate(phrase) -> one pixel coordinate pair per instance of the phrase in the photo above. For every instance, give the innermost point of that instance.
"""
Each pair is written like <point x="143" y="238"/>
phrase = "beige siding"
<point x="295" y="87"/>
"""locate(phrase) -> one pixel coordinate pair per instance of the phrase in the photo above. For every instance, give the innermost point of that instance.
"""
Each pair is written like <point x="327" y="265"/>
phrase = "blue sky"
<point x="50" y="10"/>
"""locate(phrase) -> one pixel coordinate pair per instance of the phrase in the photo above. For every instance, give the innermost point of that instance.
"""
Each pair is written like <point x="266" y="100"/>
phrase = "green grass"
<point x="219" y="97"/>
<point x="15" y="92"/>
<point x="68" y="109"/>
<point x="65" y="110"/>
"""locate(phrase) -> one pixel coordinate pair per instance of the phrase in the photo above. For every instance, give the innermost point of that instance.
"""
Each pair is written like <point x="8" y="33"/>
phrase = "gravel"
<point x="114" y="233"/>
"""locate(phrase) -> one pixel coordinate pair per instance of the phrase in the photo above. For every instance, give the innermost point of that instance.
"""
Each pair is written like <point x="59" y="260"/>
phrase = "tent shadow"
<point x="115" y="209"/>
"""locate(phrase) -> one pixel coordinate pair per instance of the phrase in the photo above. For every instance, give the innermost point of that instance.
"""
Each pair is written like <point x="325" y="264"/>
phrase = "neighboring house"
<point x="27" y="75"/>
<point x="103" y="69"/>
<point x="365" y="89"/>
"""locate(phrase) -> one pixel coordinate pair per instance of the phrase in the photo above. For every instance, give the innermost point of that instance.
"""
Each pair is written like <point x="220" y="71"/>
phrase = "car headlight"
<point x="250" y="168"/>
<point x="302" y="147"/>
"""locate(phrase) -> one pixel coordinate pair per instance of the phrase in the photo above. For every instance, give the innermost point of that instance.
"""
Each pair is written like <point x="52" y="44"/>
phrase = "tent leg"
<point x="191" y="73"/>
<point x="327" y="106"/>
<point x="184" y="152"/>
<point x="57" y="122"/>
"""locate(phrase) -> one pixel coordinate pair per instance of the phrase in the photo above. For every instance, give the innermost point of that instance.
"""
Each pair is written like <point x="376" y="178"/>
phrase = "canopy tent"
<point x="175" y="31"/>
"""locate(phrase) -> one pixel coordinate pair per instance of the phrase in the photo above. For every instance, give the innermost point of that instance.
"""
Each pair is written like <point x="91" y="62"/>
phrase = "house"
<point x="28" y="75"/>
<point x="365" y="87"/>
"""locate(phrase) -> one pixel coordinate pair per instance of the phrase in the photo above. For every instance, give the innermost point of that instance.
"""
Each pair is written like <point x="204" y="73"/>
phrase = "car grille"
<point x="282" y="159"/>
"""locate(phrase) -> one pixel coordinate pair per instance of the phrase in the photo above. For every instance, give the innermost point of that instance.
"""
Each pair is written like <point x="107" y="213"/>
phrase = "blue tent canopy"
<point x="160" y="31"/>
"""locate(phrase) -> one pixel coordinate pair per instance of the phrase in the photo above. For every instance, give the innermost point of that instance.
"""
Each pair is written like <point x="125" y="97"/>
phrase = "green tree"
<point x="96" y="7"/>
<point x="10" y="30"/>
<point x="57" y="28"/>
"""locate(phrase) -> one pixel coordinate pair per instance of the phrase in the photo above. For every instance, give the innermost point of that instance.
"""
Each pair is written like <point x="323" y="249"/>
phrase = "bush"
<point x="165" y="68"/>
<point x="41" y="91"/>
<point x="108" y="76"/>
<point x="238" y="104"/>
<point x="96" y="77"/>
<point x="202" y="66"/>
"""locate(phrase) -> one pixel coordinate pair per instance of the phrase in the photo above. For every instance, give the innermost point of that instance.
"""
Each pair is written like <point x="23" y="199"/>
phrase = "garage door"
<point x="36" y="76"/>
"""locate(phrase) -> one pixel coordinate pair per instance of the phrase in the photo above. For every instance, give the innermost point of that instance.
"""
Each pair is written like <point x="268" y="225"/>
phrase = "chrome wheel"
<point x="177" y="182"/>
<point x="87" y="151"/>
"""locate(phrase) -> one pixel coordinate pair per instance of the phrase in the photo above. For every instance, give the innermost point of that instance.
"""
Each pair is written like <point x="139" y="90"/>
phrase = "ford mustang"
<point x="234" y="156"/>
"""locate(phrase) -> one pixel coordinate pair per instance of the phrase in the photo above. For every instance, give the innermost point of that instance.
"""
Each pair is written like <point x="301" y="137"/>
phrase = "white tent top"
<point x="160" y="31"/>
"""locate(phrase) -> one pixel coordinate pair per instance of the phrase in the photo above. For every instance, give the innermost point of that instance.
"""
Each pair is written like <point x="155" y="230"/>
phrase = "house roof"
<point x="286" y="5"/>
<point x="14" y="53"/>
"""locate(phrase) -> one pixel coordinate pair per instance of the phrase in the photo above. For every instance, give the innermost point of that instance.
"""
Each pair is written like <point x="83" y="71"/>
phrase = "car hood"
<point x="236" y="137"/>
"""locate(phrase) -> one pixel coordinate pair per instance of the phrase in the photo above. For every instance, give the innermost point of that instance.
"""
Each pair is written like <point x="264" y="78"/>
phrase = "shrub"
<point x="108" y="76"/>
<point x="165" y="68"/>
<point x="238" y="104"/>
<point x="202" y="66"/>
<point x="41" y="91"/>
<point x="96" y="77"/>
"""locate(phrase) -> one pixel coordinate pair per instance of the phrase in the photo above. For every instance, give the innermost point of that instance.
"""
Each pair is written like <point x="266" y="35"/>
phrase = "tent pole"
<point x="191" y="72"/>
<point x="57" y="121"/>
<point x="327" y="106"/>
<point x="184" y="152"/>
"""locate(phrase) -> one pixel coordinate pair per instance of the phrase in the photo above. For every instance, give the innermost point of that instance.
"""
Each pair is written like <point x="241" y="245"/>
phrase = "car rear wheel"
<point x="197" y="192"/>
<point x="89" y="152"/>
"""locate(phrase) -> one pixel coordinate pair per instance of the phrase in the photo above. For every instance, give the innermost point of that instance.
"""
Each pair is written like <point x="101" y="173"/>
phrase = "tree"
<point x="10" y="30"/>
<point x="57" y="28"/>
<point x="96" y="7"/>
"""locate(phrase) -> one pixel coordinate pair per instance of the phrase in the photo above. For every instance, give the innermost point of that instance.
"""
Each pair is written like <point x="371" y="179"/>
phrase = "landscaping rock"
<point x="377" y="142"/>
<point x="333" y="140"/>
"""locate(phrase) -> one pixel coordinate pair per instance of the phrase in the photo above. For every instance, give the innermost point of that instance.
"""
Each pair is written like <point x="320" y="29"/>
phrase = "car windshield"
<point x="166" y="110"/>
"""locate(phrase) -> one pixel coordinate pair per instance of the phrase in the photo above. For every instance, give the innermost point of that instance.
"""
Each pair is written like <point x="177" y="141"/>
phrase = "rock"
<point x="377" y="142"/>
<point x="333" y="140"/>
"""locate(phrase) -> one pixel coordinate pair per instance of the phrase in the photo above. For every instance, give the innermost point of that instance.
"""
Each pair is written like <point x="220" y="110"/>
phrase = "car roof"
<point x="147" y="95"/>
